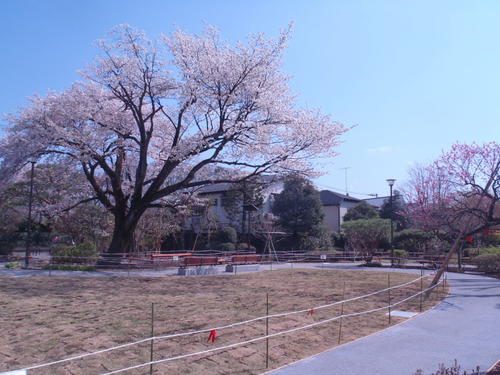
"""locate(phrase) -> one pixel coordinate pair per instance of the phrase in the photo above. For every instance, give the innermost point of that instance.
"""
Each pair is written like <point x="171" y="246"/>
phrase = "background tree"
<point x="362" y="210"/>
<point x="299" y="211"/>
<point x="151" y="120"/>
<point x="50" y="186"/>
<point x="238" y="198"/>
<point x="459" y="193"/>
<point x="157" y="224"/>
<point x="395" y="211"/>
<point x="88" y="222"/>
<point x="367" y="235"/>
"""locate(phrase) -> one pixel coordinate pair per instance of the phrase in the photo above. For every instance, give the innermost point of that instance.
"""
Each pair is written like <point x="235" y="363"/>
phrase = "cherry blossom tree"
<point x="459" y="193"/>
<point x="152" y="121"/>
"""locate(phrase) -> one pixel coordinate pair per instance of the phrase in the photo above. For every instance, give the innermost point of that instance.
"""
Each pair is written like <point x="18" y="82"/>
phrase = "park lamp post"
<point x="391" y="181"/>
<point x="28" y="238"/>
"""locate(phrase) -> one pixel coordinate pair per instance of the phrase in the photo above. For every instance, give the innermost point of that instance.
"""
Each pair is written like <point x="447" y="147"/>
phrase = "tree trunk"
<point x="123" y="236"/>
<point x="444" y="265"/>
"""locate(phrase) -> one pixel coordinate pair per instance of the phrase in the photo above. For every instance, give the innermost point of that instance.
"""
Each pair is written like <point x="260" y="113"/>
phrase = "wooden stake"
<point x="152" y="335"/>
<point x="341" y="313"/>
<point x="389" y="286"/>
<point x="267" y="330"/>
<point x="421" y="287"/>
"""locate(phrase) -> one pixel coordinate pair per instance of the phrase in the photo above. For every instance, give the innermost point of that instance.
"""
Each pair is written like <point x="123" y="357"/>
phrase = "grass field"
<point x="45" y="319"/>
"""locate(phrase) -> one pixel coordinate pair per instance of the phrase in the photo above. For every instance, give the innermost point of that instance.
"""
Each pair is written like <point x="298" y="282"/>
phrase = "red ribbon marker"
<point x="212" y="336"/>
<point x="310" y="312"/>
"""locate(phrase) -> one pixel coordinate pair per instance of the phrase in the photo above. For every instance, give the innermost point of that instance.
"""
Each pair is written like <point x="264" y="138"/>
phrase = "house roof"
<point x="225" y="186"/>
<point x="376" y="202"/>
<point x="331" y="198"/>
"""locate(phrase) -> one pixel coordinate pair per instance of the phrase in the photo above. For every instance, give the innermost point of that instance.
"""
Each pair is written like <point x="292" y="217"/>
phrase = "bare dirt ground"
<point x="44" y="319"/>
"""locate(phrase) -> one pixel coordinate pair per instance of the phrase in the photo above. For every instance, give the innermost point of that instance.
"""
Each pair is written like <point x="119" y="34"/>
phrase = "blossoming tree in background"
<point x="151" y="121"/>
<point x="459" y="193"/>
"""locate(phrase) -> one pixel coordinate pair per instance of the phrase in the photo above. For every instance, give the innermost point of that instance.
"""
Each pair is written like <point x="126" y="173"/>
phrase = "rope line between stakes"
<point x="205" y="330"/>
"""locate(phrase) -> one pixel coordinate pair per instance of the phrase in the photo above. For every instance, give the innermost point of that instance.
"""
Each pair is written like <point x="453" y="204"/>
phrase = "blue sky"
<point x="413" y="76"/>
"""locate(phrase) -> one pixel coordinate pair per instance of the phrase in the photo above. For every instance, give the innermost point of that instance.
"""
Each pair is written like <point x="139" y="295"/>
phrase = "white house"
<point x="335" y="206"/>
<point x="215" y="215"/>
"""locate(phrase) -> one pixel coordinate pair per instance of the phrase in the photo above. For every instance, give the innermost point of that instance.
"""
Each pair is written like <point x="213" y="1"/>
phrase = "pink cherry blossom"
<point x="151" y="120"/>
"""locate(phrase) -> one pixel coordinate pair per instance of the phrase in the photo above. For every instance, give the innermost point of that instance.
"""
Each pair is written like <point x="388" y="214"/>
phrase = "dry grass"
<point x="46" y="319"/>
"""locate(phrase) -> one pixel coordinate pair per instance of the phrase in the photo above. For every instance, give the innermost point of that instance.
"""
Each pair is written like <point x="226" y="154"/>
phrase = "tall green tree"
<point x="299" y="210"/>
<point x="395" y="210"/>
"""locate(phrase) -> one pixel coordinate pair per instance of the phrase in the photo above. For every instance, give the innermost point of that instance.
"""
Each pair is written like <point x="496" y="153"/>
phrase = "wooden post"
<point x="389" y="286"/>
<point x="152" y="335"/>
<point x="267" y="330"/>
<point x="341" y="313"/>
<point x="421" y="287"/>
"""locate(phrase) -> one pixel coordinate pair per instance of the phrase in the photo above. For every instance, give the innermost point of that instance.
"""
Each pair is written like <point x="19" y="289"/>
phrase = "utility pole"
<point x="28" y="237"/>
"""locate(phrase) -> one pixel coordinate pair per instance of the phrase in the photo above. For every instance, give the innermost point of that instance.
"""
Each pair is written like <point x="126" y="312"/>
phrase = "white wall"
<point x="331" y="219"/>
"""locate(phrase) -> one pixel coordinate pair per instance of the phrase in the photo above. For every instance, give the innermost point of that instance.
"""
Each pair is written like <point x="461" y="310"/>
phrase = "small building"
<point x="335" y="206"/>
<point x="216" y="214"/>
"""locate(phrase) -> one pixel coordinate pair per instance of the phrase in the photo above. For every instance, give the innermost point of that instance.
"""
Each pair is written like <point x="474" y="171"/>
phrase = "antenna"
<point x="345" y="171"/>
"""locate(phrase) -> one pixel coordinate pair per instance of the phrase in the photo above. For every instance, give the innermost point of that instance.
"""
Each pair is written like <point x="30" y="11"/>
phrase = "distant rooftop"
<point x="377" y="202"/>
<point x="331" y="198"/>
<point x="225" y="186"/>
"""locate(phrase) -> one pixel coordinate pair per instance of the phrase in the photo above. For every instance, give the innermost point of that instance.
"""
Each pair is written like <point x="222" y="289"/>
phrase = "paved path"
<point x="465" y="326"/>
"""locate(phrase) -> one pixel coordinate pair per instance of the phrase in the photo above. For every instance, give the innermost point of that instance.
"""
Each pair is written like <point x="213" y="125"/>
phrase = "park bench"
<point x="195" y="261"/>
<point x="176" y="256"/>
<point x="245" y="259"/>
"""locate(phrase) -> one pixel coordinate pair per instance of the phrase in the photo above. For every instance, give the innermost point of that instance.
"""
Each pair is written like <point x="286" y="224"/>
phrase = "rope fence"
<point x="241" y="343"/>
<point x="235" y="324"/>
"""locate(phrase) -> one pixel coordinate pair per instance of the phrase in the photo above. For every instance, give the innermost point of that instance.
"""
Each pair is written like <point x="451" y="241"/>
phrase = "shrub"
<point x="362" y="210"/>
<point x="226" y="246"/>
<point x="454" y="369"/>
<point x="245" y="246"/>
<point x="413" y="240"/>
<point x="366" y="235"/>
<point x="226" y="234"/>
<point x="13" y="265"/>
<point x="8" y="242"/>
<point x="338" y="240"/>
<point x="400" y="257"/>
<point x="84" y="253"/>
<point x="69" y="267"/>
<point x="475" y="251"/>
<point x="321" y="242"/>
<point x="371" y="264"/>
<point x="488" y="263"/>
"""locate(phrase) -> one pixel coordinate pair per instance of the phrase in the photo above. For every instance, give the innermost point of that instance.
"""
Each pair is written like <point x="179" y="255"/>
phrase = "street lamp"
<point x="391" y="181"/>
<point x="28" y="239"/>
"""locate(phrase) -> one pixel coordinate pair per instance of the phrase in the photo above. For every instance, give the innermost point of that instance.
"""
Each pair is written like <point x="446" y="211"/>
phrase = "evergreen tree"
<point x="299" y="210"/>
<point x="395" y="211"/>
